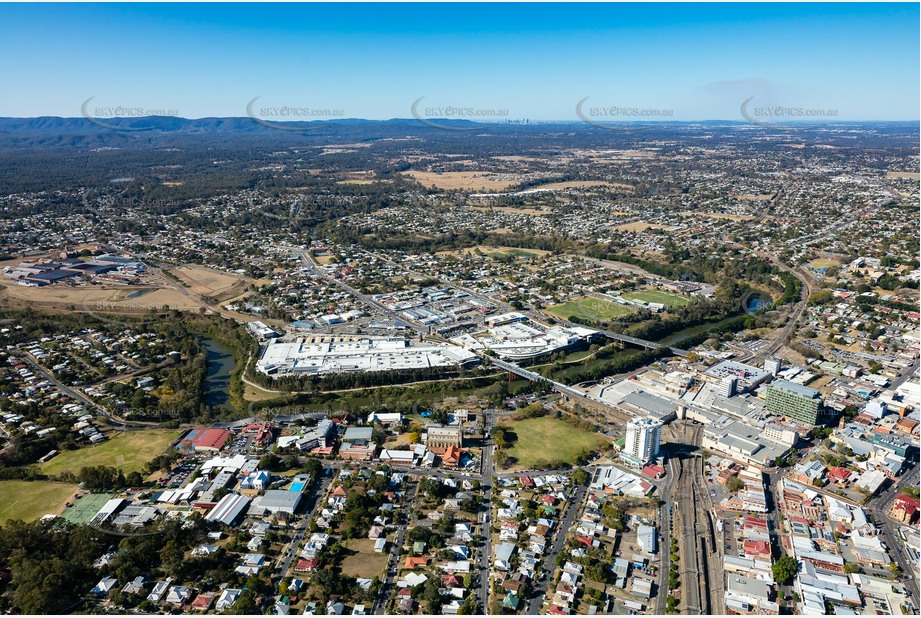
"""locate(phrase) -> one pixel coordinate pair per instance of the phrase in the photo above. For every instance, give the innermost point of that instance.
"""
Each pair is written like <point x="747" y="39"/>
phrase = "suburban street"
<point x="485" y="552"/>
<point x="559" y="541"/>
<point x="380" y="602"/>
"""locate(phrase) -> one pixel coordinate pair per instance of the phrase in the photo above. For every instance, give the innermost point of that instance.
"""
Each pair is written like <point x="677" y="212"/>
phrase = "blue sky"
<point x="537" y="61"/>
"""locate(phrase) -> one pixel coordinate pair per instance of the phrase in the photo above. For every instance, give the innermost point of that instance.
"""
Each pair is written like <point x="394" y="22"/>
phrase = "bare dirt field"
<point x="717" y="215"/>
<point x="642" y="226"/>
<point x="763" y="197"/>
<point x="906" y="175"/>
<point x="95" y="298"/>
<point x="516" y="159"/>
<point x="209" y="282"/>
<point x="469" y="181"/>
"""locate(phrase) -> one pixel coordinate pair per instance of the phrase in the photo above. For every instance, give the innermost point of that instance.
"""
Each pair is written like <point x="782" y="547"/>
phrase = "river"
<point x="217" y="380"/>
<point x="693" y="330"/>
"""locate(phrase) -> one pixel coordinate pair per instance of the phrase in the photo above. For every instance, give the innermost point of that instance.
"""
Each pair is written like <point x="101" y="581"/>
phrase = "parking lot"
<point x="180" y="474"/>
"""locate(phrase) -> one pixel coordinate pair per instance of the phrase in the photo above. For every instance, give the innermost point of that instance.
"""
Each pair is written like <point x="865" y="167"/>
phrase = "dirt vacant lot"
<point x="366" y="563"/>
<point x="465" y="181"/>
<point x="97" y="298"/>
<point x="642" y="226"/>
<point x="497" y="252"/>
<point x="209" y="282"/>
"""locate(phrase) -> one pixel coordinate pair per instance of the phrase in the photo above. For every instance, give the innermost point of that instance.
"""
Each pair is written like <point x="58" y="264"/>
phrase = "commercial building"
<point x="905" y="509"/>
<point x="520" y="339"/>
<point x="278" y="501"/>
<point x="773" y="366"/>
<point x="320" y="355"/>
<point x="642" y="442"/>
<point x="747" y="377"/>
<point x="728" y="386"/>
<point x="745" y="443"/>
<point x="800" y="402"/>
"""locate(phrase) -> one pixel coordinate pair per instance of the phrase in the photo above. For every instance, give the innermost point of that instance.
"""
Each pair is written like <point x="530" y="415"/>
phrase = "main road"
<point x="879" y="507"/>
<point x="308" y="261"/>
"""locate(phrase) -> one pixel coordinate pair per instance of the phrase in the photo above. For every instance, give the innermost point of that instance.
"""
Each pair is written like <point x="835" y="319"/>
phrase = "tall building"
<point x="728" y="386"/>
<point x="772" y="366"/>
<point x="800" y="402"/>
<point x="642" y="441"/>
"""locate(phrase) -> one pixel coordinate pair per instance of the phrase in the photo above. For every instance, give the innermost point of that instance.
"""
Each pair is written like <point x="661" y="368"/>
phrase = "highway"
<point x="799" y="309"/>
<point x="536" y="377"/>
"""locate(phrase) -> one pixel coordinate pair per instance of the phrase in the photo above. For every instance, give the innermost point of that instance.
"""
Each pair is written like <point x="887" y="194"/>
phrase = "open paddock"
<point x="548" y="438"/>
<point x="658" y="296"/>
<point x="96" y="298"/>
<point x="589" y="308"/>
<point x="128" y="451"/>
<point x="642" y="226"/>
<point x="497" y="252"/>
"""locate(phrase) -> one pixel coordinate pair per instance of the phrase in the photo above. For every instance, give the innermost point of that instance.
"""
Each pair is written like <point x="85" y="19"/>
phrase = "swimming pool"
<point x="297" y="486"/>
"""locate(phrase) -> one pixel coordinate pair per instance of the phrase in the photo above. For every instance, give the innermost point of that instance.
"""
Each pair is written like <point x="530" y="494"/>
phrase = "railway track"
<point x="701" y="569"/>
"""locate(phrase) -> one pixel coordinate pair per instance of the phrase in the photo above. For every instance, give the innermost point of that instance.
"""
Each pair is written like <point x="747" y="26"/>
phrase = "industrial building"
<point x="229" y="510"/>
<point x="277" y="501"/>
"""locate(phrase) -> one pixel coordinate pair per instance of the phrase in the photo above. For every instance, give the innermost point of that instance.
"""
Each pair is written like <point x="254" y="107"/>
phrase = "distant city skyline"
<point x="760" y="63"/>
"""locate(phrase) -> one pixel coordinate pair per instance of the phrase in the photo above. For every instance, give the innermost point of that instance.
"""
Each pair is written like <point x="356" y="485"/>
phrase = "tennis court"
<point x="84" y="509"/>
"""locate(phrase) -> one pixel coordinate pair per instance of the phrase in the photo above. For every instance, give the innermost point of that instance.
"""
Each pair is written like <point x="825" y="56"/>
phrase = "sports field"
<point x="546" y="438"/>
<point x="128" y="450"/>
<point x="30" y="500"/>
<point x="657" y="296"/>
<point x="592" y="309"/>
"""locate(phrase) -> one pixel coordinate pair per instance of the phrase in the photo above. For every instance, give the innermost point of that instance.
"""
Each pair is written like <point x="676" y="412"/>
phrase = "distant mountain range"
<point x="162" y="131"/>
